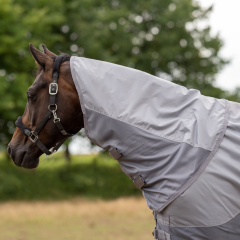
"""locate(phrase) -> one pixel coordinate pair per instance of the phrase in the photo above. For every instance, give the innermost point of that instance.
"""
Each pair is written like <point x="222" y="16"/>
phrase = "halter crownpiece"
<point x="52" y="111"/>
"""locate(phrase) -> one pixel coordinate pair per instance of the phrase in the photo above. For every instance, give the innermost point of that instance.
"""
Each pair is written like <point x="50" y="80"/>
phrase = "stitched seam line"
<point x="94" y="110"/>
<point x="82" y="102"/>
<point x="204" y="165"/>
<point x="214" y="225"/>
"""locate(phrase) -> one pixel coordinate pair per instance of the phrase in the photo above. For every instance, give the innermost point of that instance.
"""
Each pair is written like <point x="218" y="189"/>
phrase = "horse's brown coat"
<point x="25" y="153"/>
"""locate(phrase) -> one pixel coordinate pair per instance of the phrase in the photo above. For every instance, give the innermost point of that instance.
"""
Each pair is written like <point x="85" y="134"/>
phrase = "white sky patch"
<point x="81" y="145"/>
<point x="224" y="20"/>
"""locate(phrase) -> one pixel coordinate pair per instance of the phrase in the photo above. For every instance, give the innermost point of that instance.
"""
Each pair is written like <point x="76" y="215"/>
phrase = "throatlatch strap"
<point x="139" y="182"/>
<point x="61" y="128"/>
<point x="45" y="150"/>
<point x="115" y="154"/>
<point x="42" y="147"/>
<point x="60" y="143"/>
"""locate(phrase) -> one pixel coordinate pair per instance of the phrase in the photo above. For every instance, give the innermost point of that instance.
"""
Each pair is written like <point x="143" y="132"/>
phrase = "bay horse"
<point x="21" y="149"/>
<point x="179" y="147"/>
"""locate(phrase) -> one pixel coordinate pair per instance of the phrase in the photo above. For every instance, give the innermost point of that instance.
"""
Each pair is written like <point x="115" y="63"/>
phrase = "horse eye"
<point x="30" y="97"/>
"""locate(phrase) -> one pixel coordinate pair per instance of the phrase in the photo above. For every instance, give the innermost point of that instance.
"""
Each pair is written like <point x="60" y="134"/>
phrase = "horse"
<point x="178" y="146"/>
<point x="23" y="151"/>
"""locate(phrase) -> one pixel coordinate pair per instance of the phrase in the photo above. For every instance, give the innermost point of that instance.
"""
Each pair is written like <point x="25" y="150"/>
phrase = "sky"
<point x="225" y="20"/>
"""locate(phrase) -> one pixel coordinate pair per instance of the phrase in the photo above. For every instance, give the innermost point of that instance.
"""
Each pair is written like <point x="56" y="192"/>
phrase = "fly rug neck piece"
<point x="51" y="111"/>
<point x="179" y="147"/>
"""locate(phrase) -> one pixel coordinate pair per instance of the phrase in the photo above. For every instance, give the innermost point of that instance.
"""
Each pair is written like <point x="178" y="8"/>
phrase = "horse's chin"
<point x="26" y="161"/>
<point x="22" y="158"/>
<point x="30" y="163"/>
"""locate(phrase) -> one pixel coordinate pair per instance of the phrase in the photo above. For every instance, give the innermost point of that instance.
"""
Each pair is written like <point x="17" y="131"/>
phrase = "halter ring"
<point x="53" y="111"/>
<point x="53" y="152"/>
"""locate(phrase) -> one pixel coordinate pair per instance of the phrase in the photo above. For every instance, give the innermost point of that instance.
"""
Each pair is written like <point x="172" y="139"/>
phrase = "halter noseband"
<point x="53" y="90"/>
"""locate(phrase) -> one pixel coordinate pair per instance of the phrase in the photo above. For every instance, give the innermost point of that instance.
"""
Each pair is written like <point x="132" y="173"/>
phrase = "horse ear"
<point x="40" y="57"/>
<point x="49" y="53"/>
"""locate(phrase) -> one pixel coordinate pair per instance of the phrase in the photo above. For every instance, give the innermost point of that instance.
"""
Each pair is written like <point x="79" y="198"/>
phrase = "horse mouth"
<point x="19" y="160"/>
<point x="21" y="163"/>
<point x="26" y="162"/>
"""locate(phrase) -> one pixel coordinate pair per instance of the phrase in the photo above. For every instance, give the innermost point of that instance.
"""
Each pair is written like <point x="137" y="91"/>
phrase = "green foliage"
<point x="158" y="37"/>
<point x="92" y="177"/>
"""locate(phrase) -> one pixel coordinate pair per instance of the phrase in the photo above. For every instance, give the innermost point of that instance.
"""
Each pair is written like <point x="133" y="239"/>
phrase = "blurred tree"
<point x="159" y="37"/>
<point x="163" y="38"/>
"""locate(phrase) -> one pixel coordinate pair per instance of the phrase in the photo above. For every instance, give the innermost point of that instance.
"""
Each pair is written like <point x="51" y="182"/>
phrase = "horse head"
<point x="52" y="113"/>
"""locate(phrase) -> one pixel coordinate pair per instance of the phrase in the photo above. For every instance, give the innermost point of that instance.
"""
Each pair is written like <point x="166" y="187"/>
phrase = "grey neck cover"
<point x="162" y="134"/>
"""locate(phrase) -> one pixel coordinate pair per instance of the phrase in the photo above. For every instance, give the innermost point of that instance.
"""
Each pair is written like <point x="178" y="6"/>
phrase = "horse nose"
<point x="9" y="151"/>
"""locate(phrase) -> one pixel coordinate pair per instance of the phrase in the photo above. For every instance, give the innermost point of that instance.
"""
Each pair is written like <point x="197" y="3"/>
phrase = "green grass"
<point x="92" y="176"/>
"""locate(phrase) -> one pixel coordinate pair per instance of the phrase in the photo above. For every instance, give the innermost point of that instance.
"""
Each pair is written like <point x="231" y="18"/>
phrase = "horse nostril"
<point x="9" y="151"/>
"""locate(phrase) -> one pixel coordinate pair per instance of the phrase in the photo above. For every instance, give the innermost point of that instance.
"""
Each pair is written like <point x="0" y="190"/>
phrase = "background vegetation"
<point x="159" y="37"/>
<point x="92" y="176"/>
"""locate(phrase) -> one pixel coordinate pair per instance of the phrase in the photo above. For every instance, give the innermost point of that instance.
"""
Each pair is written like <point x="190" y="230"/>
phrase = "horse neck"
<point x="76" y="119"/>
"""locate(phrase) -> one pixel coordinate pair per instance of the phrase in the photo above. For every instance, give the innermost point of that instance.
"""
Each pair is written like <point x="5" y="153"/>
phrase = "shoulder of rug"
<point x="159" y="127"/>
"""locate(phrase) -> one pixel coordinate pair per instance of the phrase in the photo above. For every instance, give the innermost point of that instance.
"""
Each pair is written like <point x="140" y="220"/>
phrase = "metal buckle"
<point x="56" y="119"/>
<point x="52" y="154"/>
<point x="54" y="87"/>
<point x="64" y="132"/>
<point x="35" y="137"/>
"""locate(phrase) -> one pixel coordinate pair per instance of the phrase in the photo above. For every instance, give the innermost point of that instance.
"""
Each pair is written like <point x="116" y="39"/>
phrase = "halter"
<point x="53" y="90"/>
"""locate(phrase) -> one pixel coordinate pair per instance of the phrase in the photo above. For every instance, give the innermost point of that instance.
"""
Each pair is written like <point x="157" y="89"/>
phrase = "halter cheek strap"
<point x="52" y="109"/>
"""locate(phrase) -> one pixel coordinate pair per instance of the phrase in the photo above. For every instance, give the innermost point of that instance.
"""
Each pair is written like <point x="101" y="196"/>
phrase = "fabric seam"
<point x="82" y="102"/>
<point x="215" y="225"/>
<point x="200" y="170"/>
<point x="147" y="130"/>
<point x="204" y="165"/>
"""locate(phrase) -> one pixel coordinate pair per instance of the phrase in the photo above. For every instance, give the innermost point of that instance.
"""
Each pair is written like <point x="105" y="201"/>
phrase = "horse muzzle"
<point x="22" y="158"/>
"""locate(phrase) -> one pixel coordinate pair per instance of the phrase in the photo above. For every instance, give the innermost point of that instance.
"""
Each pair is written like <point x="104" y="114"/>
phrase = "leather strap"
<point x="41" y="124"/>
<point x="59" y="144"/>
<point x="139" y="182"/>
<point x="115" y="153"/>
<point x="53" y="90"/>
<point x="25" y="130"/>
<point x="61" y="128"/>
<point x="42" y="147"/>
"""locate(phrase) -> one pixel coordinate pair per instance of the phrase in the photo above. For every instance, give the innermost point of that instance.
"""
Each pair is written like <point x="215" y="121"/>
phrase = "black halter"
<point x="53" y="90"/>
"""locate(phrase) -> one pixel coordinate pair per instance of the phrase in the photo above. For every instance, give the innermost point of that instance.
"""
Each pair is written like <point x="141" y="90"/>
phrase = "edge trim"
<point x="204" y="165"/>
<point x="80" y="94"/>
